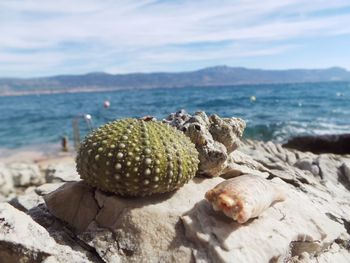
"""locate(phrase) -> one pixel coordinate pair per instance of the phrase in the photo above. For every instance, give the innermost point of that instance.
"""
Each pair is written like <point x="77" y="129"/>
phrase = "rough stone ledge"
<point x="181" y="226"/>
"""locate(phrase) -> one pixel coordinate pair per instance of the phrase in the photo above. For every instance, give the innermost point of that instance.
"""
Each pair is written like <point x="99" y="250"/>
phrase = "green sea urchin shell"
<point x="133" y="157"/>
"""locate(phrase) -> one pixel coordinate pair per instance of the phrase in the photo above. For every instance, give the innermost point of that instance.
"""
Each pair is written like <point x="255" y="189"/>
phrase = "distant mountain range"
<point x="214" y="76"/>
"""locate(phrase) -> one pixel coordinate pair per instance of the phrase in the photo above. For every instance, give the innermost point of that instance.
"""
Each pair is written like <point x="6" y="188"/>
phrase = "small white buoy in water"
<point x="106" y="104"/>
<point x="252" y="98"/>
<point x="339" y="94"/>
<point x="87" y="117"/>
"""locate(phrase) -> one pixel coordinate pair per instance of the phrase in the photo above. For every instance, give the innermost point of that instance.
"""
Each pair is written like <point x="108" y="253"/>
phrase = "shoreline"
<point x="34" y="153"/>
<point x="338" y="144"/>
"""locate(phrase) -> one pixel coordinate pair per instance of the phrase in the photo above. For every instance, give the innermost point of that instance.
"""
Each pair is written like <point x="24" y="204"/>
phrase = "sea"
<point x="272" y="112"/>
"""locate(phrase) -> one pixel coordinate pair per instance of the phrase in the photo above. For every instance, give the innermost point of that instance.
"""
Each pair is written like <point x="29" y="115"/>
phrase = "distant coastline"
<point x="219" y="76"/>
<point x="104" y="89"/>
<point x="48" y="92"/>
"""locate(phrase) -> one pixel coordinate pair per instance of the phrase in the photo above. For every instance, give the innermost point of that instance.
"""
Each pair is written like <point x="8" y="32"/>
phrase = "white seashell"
<point x="244" y="197"/>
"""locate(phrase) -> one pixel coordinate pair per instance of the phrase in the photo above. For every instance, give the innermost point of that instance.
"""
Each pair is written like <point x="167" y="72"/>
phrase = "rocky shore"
<point x="48" y="215"/>
<point x="331" y="143"/>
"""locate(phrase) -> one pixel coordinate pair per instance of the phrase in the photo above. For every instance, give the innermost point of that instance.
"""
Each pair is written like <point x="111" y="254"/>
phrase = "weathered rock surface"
<point x="346" y="170"/>
<point x="152" y="228"/>
<point x="15" y="177"/>
<point x="283" y="231"/>
<point x="74" y="203"/>
<point x="132" y="229"/>
<point x="61" y="172"/>
<point x="23" y="240"/>
<point x="25" y="174"/>
<point x="6" y="181"/>
<point x="312" y="225"/>
<point x="18" y="175"/>
<point x="27" y="200"/>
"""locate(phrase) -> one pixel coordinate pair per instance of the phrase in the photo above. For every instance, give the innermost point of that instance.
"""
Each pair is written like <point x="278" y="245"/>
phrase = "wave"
<point x="281" y="132"/>
<point x="215" y="103"/>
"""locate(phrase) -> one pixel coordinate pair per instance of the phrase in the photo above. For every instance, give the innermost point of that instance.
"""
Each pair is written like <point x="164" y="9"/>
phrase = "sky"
<point x="44" y="37"/>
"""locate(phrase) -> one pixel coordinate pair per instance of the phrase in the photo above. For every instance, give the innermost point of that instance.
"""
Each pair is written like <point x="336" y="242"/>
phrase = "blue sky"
<point x="43" y="37"/>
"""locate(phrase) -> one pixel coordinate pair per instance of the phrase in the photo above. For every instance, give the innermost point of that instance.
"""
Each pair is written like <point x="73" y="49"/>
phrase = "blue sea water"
<point x="279" y="112"/>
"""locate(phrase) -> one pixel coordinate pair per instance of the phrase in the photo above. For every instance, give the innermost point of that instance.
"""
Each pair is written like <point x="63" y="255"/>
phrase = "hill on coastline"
<point x="214" y="76"/>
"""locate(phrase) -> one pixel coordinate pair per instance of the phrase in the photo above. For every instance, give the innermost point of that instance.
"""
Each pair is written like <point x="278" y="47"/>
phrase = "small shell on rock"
<point x="244" y="197"/>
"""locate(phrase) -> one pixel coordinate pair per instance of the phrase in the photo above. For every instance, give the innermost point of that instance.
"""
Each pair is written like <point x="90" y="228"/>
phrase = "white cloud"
<point x="55" y="36"/>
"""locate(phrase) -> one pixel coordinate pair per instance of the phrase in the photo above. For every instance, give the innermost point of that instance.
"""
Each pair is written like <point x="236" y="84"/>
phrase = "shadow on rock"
<point x="205" y="226"/>
<point x="332" y="143"/>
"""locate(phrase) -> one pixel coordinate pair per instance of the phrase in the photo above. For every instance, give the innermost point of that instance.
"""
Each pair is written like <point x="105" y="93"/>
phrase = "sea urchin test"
<point x="133" y="157"/>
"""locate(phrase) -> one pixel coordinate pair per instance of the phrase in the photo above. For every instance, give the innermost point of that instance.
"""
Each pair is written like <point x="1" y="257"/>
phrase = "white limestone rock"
<point x="27" y="201"/>
<point x="132" y="229"/>
<point x="6" y="182"/>
<point x="61" y="172"/>
<point x="74" y="203"/>
<point x="282" y="231"/>
<point x="308" y="165"/>
<point x="45" y="189"/>
<point x="23" y="240"/>
<point x="346" y="169"/>
<point x="182" y="226"/>
<point x="25" y="174"/>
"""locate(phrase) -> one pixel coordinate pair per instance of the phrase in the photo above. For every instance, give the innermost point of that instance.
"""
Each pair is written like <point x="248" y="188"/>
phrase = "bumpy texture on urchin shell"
<point x="132" y="157"/>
